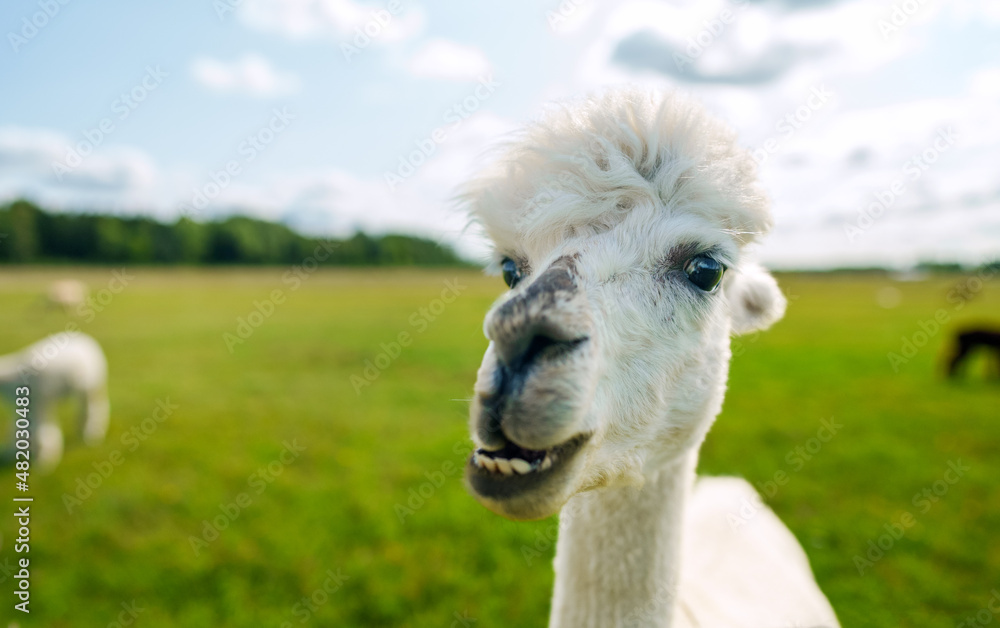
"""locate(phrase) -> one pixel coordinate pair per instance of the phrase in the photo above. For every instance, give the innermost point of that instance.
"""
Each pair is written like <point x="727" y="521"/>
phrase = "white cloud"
<point x="250" y="74"/>
<point x="448" y="60"/>
<point x="975" y="10"/>
<point x="720" y="42"/>
<point x="762" y="65"/>
<point x="30" y="150"/>
<point x="823" y="177"/>
<point x="337" y="202"/>
<point x="986" y="83"/>
<point x="108" y="178"/>
<point x="339" y="19"/>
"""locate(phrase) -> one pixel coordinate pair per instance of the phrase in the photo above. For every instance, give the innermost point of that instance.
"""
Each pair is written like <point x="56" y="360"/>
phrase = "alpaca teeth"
<point x="513" y="466"/>
<point x="521" y="466"/>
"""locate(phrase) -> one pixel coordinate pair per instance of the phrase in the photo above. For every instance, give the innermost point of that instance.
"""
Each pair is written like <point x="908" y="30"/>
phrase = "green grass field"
<point x="334" y="512"/>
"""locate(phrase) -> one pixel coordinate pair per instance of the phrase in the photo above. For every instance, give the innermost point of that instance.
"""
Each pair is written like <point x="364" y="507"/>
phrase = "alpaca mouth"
<point x="513" y="469"/>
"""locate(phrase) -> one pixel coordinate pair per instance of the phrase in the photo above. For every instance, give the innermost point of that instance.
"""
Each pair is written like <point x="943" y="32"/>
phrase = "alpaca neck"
<point x="617" y="558"/>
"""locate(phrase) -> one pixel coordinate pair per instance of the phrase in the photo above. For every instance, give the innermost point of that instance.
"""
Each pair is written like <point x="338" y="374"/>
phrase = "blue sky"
<point x="895" y="74"/>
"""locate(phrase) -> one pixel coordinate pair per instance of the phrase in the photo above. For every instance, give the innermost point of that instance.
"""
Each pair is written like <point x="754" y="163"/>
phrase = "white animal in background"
<point x="63" y="365"/>
<point x="621" y="224"/>
<point x="68" y="294"/>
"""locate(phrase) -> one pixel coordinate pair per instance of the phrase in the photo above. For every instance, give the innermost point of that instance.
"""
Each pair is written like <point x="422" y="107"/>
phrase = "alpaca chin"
<point x="535" y="495"/>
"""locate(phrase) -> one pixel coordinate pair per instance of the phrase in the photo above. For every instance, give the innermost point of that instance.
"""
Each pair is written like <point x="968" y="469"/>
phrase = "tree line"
<point x="30" y="234"/>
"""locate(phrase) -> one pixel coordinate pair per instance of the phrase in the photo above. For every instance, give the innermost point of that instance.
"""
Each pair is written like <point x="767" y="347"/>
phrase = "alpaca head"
<point x="620" y="224"/>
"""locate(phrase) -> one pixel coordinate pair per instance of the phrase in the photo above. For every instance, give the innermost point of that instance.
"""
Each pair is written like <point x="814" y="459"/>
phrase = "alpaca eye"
<point x="704" y="272"/>
<point x="511" y="274"/>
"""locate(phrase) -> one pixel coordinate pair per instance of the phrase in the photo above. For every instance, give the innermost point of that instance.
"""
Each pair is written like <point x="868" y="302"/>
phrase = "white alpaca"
<point x="67" y="294"/>
<point x="67" y="364"/>
<point x="621" y="224"/>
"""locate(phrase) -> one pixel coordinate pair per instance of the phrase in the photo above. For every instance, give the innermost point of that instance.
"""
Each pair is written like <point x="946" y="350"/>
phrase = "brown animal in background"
<point x="967" y="341"/>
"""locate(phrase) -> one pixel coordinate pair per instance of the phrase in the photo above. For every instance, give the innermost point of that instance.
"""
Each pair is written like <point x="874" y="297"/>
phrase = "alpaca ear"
<point x="755" y="301"/>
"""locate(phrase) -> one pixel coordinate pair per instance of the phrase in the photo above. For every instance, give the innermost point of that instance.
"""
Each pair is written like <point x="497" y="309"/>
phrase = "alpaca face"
<point x="608" y="358"/>
<point x="621" y="226"/>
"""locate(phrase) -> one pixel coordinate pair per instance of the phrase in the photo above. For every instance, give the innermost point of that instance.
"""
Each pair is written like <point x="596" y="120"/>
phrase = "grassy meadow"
<point x="344" y="507"/>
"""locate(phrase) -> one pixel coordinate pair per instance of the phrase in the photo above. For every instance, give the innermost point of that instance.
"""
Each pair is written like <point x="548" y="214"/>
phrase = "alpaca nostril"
<point x="535" y="348"/>
<point x="539" y="346"/>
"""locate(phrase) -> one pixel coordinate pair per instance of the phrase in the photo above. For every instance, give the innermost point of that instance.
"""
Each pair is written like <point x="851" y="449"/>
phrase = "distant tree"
<point x="939" y="267"/>
<point x="191" y="240"/>
<point x="18" y="223"/>
<point x="112" y="239"/>
<point x="30" y="234"/>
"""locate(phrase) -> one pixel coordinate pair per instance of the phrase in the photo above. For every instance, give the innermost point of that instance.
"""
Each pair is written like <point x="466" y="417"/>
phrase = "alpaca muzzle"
<point x="543" y="347"/>
<point x="535" y="387"/>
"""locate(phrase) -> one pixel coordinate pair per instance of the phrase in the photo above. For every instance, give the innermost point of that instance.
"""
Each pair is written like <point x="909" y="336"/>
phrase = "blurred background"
<point x="252" y="199"/>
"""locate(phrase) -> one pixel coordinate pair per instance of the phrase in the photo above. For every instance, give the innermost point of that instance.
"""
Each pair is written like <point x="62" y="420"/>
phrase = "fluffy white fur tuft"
<point x="582" y="167"/>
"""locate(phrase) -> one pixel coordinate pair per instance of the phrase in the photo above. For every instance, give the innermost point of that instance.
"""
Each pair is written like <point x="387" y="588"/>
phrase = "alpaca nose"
<point x="519" y="350"/>
<point x="547" y="316"/>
